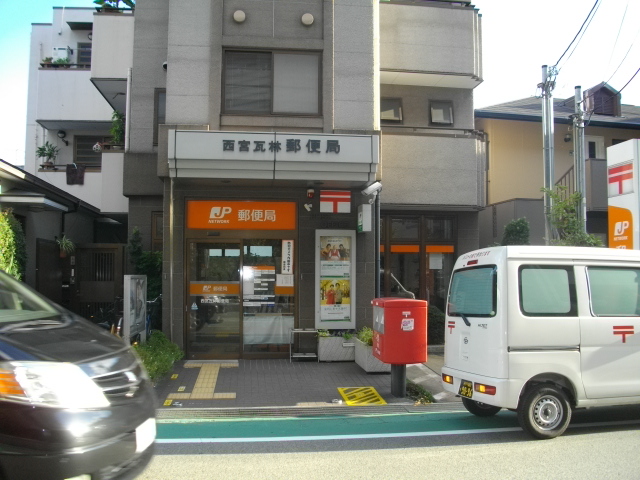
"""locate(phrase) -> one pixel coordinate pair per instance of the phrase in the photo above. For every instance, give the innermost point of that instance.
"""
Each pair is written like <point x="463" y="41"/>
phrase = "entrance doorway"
<point x="240" y="301"/>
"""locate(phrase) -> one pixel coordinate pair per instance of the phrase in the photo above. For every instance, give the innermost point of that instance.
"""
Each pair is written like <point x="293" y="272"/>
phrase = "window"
<point x="441" y="113"/>
<point x="160" y="111"/>
<point x="84" y="54"/>
<point x="156" y="231"/>
<point x="405" y="228"/>
<point x="547" y="291"/>
<point x="391" y="110"/>
<point x="272" y="83"/>
<point x="614" y="291"/>
<point x="84" y="154"/>
<point x="473" y="292"/>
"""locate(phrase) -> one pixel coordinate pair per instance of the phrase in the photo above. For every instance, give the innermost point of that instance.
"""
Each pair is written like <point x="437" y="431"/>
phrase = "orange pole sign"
<point x="620" y="228"/>
<point x="234" y="215"/>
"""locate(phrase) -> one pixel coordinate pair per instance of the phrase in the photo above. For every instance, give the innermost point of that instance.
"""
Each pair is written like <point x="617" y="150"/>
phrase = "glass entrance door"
<point x="213" y="300"/>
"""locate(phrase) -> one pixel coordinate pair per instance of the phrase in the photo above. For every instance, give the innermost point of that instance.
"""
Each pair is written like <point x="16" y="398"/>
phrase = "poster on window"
<point x="335" y="255"/>
<point x="335" y="279"/>
<point x="134" y="315"/>
<point x="335" y="299"/>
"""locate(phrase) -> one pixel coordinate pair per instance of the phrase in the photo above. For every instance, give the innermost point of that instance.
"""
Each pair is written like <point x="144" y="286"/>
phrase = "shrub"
<point x="158" y="354"/>
<point x="566" y="221"/>
<point x="13" y="245"/>
<point x="365" y="335"/>
<point x="516" y="232"/>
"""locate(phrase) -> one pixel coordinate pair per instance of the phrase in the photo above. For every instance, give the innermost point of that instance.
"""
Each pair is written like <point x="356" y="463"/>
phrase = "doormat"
<point x="355" y="396"/>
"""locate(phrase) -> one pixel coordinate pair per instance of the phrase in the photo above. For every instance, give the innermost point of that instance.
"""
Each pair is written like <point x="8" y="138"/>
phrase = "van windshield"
<point x="473" y="292"/>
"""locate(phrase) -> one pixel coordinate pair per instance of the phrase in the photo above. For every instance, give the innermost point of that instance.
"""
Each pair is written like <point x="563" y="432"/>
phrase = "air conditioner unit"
<point x="61" y="52"/>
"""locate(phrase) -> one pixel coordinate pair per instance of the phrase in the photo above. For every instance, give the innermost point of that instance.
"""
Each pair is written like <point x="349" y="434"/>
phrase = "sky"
<point x="517" y="39"/>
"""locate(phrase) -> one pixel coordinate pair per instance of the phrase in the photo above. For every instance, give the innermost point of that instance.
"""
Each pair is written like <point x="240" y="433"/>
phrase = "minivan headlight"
<point x="49" y="384"/>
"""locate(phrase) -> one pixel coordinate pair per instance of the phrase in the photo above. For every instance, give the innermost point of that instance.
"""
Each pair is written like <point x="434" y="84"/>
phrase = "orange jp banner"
<point x="620" y="228"/>
<point x="231" y="215"/>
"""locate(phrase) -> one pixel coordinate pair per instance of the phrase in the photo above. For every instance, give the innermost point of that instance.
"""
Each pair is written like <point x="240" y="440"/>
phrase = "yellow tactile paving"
<point x="361" y="396"/>
<point x="205" y="383"/>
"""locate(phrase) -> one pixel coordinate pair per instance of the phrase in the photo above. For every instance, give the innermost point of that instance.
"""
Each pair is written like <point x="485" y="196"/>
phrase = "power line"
<point x="624" y="15"/>
<point x="586" y="20"/>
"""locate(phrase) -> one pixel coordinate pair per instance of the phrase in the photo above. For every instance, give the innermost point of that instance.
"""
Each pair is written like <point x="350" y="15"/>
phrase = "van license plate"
<point x="466" y="389"/>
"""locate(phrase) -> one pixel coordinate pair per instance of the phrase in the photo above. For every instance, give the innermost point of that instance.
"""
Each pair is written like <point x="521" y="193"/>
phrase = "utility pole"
<point x="547" y="86"/>
<point x="579" y="161"/>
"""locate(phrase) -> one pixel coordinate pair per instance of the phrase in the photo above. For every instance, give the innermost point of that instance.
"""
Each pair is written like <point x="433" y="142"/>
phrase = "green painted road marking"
<point x="334" y="426"/>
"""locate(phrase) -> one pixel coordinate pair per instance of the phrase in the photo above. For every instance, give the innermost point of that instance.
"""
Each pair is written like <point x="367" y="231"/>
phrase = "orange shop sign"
<point x="234" y="215"/>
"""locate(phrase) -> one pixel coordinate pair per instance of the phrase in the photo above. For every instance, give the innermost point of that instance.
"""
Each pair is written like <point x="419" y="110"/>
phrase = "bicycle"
<point x="110" y="318"/>
<point x="154" y="315"/>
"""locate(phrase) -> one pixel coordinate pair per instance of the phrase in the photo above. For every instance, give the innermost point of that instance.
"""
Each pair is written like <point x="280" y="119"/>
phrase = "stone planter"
<point x="336" y="349"/>
<point x="366" y="360"/>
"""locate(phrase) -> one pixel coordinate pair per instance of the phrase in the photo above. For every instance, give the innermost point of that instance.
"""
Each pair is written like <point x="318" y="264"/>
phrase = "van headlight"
<point x="49" y="384"/>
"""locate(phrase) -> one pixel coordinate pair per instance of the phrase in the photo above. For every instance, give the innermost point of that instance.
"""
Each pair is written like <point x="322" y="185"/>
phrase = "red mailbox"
<point x="400" y="330"/>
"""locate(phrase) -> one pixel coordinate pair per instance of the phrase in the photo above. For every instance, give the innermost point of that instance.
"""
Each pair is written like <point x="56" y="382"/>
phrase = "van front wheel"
<point x="544" y="412"/>
<point x="479" y="409"/>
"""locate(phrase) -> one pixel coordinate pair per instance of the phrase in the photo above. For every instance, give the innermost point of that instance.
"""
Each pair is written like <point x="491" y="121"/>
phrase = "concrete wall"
<point x="356" y="65"/>
<point x="494" y="218"/>
<point x="430" y="38"/>
<point x="112" y="200"/>
<point x="111" y="53"/>
<point x="431" y="170"/>
<point x="149" y="53"/>
<point x="415" y="104"/>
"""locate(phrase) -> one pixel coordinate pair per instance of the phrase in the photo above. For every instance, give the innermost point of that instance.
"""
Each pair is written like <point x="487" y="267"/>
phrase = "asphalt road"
<point x="600" y="444"/>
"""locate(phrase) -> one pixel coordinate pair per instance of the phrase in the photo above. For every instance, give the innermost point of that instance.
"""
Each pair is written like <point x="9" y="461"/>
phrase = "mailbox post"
<point x="399" y="336"/>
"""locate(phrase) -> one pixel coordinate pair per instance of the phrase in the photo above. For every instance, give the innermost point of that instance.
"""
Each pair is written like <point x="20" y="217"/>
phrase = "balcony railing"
<point x="66" y="66"/>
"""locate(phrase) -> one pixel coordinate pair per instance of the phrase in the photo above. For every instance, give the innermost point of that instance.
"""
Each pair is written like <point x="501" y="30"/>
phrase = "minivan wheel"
<point x="479" y="409"/>
<point x="544" y="412"/>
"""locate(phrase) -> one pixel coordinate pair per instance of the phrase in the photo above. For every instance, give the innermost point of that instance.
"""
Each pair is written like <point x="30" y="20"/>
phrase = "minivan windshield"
<point x="19" y="303"/>
<point x="473" y="292"/>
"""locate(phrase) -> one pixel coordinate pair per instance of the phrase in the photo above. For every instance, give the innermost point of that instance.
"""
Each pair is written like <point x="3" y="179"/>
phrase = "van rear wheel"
<point x="479" y="409"/>
<point x="544" y="412"/>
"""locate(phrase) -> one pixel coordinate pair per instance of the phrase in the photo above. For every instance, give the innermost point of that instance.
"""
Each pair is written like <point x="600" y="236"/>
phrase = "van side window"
<point x="547" y="291"/>
<point x="614" y="291"/>
<point x="473" y="292"/>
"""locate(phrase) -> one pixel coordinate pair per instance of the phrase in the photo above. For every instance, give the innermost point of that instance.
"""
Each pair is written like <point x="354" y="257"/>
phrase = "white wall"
<point x="112" y="50"/>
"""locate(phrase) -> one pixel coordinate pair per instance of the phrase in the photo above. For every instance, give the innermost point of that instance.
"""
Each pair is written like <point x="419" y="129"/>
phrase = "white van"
<point x="543" y="330"/>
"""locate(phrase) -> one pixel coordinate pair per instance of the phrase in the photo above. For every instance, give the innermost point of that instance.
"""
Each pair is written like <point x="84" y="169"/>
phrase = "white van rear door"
<point x="474" y="336"/>
<point x="610" y="333"/>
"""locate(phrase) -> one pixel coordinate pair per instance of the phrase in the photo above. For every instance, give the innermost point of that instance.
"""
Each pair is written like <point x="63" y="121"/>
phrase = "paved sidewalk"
<point x="279" y="383"/>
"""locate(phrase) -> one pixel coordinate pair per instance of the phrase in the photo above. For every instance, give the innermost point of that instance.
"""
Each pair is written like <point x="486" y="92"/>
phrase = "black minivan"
<point x="75" y="402"/>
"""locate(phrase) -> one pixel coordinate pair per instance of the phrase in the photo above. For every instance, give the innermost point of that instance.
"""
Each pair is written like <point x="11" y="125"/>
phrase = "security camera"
<point x="164" y="65"/>
<point x="375" y="187"/>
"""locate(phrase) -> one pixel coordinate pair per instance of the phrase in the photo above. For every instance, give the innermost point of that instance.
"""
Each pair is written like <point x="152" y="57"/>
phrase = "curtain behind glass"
<point x="295" y="83"/>
<point x="247" y="82"/>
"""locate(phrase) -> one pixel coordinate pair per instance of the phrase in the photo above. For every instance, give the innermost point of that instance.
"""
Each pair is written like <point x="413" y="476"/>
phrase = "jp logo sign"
<point x="219" y="212"/>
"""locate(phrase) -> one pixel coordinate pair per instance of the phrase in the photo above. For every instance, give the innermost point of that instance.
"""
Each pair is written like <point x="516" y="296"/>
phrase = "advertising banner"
<point x="335" y="263"/>
<point x="134" y="318"/>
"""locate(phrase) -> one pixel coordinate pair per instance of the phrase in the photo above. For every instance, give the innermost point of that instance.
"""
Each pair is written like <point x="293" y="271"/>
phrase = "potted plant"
<point x="117" y="128"/>
<point x="364" y="353"/>
<point x="61" y="62"/>
<point x="48" y="152"/>
<point x="46" y="62"/>
<point x="336" y="346"/>
<point x="113" y="5"/>
<point x="66" y="246"/>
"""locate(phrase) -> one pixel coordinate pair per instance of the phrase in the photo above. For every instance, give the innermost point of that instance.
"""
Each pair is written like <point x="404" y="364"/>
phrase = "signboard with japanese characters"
<point x="235" y="215"/>
<point x="294" y="147"/>
<point x="335" y="279"/>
